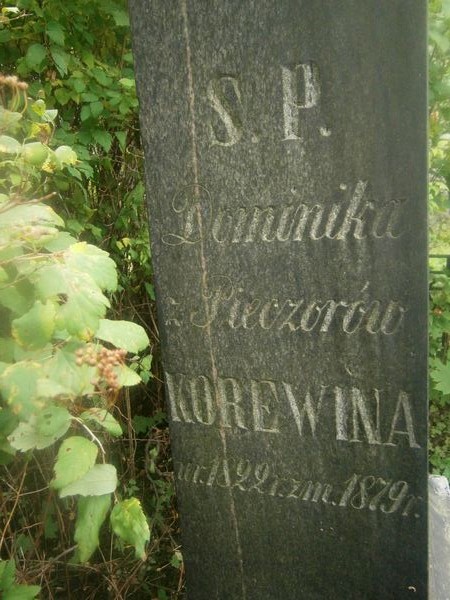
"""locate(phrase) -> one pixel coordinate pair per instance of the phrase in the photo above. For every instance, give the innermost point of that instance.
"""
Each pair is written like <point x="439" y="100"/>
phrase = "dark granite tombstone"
<point x="285" y="147"/>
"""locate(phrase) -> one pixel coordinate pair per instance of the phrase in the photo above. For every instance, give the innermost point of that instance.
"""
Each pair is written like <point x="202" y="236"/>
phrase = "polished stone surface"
<point x="285" y="147"/>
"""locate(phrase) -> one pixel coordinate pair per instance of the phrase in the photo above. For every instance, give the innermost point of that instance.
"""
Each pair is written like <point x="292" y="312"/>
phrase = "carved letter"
<point x="287" y="322"/>
<point x="239" y="226"/>
<point x="177" y="401"/>
<point x="352" y="217"/>
<point x="361" y="413"/>
<point x="348" y="319"/>
<point x="301" y="89"/>
<point x="264" y="314"/>
<point x="312" y="308"/>
<point x="218" y="225"/>
<point x="341" y="412"/>
<point x="235" y="404"/>
<point x="387" y="219"/>
<point x="403" y="407"/>
<point x="261" y="406"/>
<point x="329" y="315"/>
<point x="202" y="403"/>
<point x="225" y="98"/>
<point x="212" y="301"/>
<point x="393" y="307"/>
<point x="250" y="309"/>
<point x="305" y="213"/>
<point x="312" y="412"/>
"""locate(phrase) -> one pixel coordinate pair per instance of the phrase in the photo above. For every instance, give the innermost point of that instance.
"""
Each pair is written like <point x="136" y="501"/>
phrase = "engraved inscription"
<point x="359" y="492"/>
<point x="301" y="90"/>
<point x="224" y="96"/>
<point x="349" y="415"/>
<point x="189" y="202"/>
<point x="352" y="217"/>
<point x="232" y="307"/>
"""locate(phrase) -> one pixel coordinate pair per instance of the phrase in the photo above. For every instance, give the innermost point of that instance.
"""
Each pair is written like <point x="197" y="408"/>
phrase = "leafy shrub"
<point x="77" y="59"/>
<point x="62" y="363"/>
<point x="439" y="39"/>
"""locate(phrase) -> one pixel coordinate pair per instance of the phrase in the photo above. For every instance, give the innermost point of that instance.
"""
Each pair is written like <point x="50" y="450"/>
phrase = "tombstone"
<point x="439" y="508"/>
<point x="285" y="146"/>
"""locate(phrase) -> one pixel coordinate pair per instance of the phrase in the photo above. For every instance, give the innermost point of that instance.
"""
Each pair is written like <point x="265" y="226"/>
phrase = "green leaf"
<point x="12" y="299"/>
<point x="127" y="83"/>
<point x="96" y="108"/>
<point x="35" y="153"/>
<point x="89" y="97"/>
<point x="129" y="523"/>
<point x="50" y="115"/>
<point x="9" y="145"/>
<point x="100" y="480"/>
<point x="101" y="77"/>
<point x="78" y="85"/>
<point x="85" y="112"/>
<point x="29" y="214"/>
<point x="66" y="155"/>
<point x="10" y="9"/>
<point x="35" y="328"/>
<point x="61" y="59"/>
<point x="35" y="55"/>
<point x="7" y="573"/>
<point x="5" y="36"/>
<point x="121" y="18"/>
<point x="88" y="58"/>
<point x="123" y="334"/>
<point x="49" y="388"/>
<point x="55" y="32"/>
<point x="63" y="372"/>
<point x="38" y="107"/>
<point x="41" y="430"/>
<point x="150" y="290"/>
<point x="18" y="384"/>
<point x="143" y="424"/>
<point x="22" y="592"/>
<point x="9" y="119"/>
<point x="441" y="377"/>
<point x="122" y="139"/>
<point x="441" y="40"/>
<point x="76" y="457"/>
<point x="103" y="138"/>
<point x="103" y="418"/>
<point x="91" y="513"/>
<point x="84" y="302"/>
<point x="94" y="261"/>
<point x="60" y="242"/>
<point x="126" y="376"/>
<point x="62" y="95"/>
<point x="8" y="422"/>
<point x="7" y="452"/>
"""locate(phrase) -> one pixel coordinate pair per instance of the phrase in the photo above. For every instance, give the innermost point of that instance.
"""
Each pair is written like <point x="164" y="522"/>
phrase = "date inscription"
<point x="358" y="492"/>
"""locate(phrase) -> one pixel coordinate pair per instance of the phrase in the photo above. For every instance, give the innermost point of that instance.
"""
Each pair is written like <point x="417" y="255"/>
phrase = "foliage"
<point x="56" y="375"/>
<point x="81" y="64"/>
<point x="439" y="125"/>
<point x="11" y="590"/>
<point x="439" y="45"/>
<point x="77" y="59"/>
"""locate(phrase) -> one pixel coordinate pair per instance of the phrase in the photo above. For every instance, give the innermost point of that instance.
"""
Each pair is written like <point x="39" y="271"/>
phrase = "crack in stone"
<point x="204" y="270"/>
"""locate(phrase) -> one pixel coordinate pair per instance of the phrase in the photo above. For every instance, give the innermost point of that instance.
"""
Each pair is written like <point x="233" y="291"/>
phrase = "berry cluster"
<point x="105" y="360"/>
